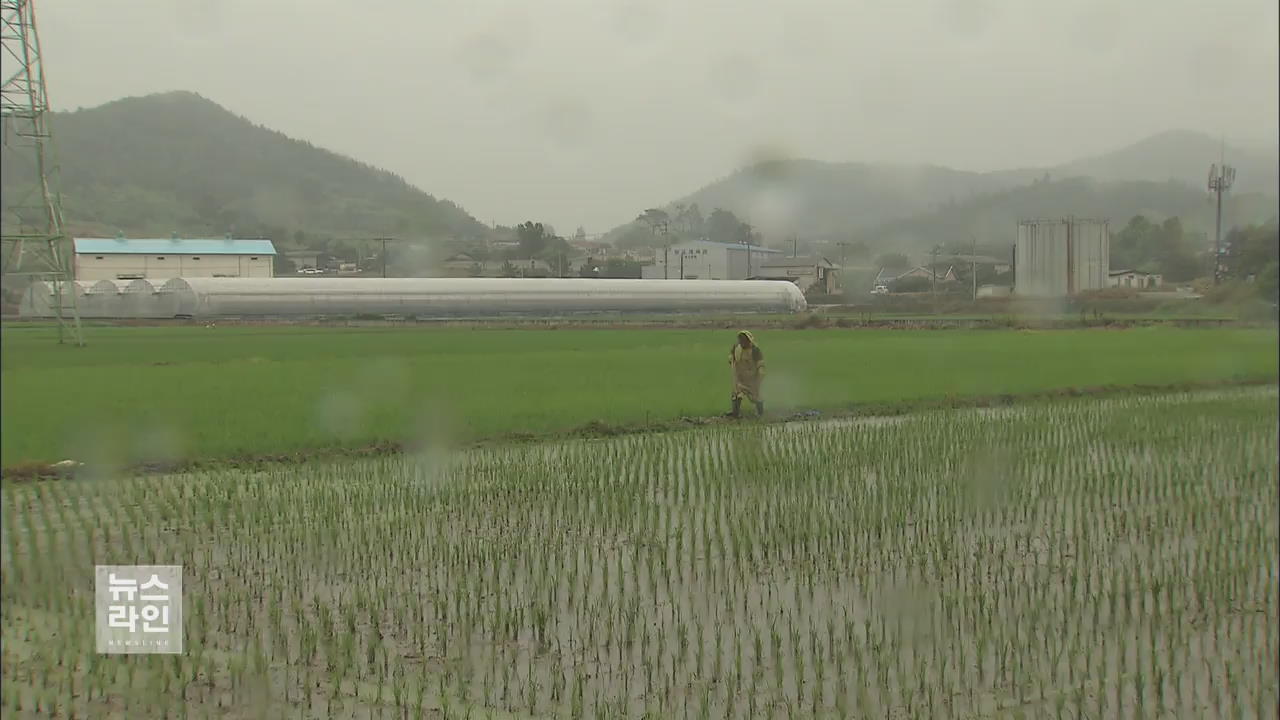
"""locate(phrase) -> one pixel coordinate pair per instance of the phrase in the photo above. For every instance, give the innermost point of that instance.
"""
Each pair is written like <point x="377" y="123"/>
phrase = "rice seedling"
<point x="1110" y="558"/>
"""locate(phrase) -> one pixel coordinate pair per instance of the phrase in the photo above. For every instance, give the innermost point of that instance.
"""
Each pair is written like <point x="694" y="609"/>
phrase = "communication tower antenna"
<point x="1221" y="177"/>
<point x="35" y="243"/>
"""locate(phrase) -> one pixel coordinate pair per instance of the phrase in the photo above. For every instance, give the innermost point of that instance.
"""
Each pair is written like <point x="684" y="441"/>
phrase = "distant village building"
<point x="994" y="291"/>
<point x="123" y="258"/>
<point x="1134" y="279"/>
<point x="997" y="265"/>
<point x="461" y="265"/>
<point x="817" y="273"/>
<point x="523" y="267"/>
<point x="706" y="260"/>
<point x="303" y="259"/>
<point x="920" y="271"/>
<point x="592" y="247"/>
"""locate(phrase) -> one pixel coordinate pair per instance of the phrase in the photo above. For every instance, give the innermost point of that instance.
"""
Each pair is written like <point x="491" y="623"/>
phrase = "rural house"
<point x="920" y="271"/>
<point x="996" y="264"/>
<point x="1134" y="279"/>
<point x="806" y="272"/>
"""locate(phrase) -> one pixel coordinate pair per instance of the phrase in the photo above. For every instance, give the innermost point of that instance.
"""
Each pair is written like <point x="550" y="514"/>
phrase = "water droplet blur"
<point x="486" y="57"/>
<point x="159" y="443"/>
<point x="383" y="379"/>
<point x="339" y="413"/>
<point x="637" y="22"/>
<point x="967" y="17"/>
<point x="432" y="441"/>
<point x="735" y="79"/>
<point x="567" y="122"/>
<point x="101" y="447"/>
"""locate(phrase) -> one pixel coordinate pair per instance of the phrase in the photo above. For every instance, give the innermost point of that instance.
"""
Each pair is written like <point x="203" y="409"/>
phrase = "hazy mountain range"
<point x="1163" y="175"/>
<point x="177" y="162"/>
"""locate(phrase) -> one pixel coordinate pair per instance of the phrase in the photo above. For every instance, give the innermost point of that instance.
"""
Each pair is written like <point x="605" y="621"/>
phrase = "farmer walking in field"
<point x="747" y="363"/>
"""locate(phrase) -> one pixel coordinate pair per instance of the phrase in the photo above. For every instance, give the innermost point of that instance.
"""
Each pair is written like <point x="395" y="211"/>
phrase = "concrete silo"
<point x="1056" y="258"/>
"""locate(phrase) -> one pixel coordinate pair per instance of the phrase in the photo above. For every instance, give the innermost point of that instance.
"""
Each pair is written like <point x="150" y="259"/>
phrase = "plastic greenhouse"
<point x="457" y="297"/>
<point x="140" y="300"/>
<point x="39" y="300"/>
<point x="104" y="299"/>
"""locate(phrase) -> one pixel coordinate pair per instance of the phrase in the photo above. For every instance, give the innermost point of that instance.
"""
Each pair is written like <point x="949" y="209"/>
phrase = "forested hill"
<point x="834" y="201"/>
<point x="1183" y="156"/>
<point x="177" y="162"/>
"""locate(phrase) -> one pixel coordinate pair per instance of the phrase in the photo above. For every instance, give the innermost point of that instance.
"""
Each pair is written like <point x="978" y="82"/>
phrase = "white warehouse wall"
<point x="120" y="266"/>
<point x="705" y="260"/>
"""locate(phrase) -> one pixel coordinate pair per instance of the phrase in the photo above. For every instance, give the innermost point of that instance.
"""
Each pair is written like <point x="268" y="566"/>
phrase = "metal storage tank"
<point x="1056" y="258"/>
<point x="1090" y="243"/>
<point x="473" y="297"/>
<point x="1040" y="259"/>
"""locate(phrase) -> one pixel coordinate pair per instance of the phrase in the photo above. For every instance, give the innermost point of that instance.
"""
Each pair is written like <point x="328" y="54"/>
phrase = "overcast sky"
<point x="584" y="112"/>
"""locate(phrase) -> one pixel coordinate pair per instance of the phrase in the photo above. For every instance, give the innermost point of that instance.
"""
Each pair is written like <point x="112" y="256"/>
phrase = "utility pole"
<point x="1220" y="179"/>
<point x="933" y="275"/>
<point x="974" y="269"/>
<point x="384" y="254"/>
<point x="666" y="250"/>
<point x="933" y="266"/>
<point x="794" y="242"/>
<point x="746" y="242"/>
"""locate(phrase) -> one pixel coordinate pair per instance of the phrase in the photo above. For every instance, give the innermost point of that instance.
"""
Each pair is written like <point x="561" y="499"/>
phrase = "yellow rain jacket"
<point x="748" y="368"/>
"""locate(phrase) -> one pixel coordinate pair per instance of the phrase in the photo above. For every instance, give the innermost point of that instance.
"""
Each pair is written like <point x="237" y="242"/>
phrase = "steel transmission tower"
<point x="35" y="244"/>
<point x="1220" y="179"/>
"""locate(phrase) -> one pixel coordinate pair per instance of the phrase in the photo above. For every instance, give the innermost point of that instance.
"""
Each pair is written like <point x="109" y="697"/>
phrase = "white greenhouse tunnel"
<point x="413" y="297"/>
<point x="39" y="300"/>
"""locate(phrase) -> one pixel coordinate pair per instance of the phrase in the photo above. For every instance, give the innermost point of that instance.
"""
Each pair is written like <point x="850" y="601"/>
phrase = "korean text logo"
<point x="139" y="608"/>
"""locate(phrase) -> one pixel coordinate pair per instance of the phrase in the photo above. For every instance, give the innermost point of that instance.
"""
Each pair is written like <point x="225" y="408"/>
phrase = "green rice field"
<point x="157" y="394"/>
<point x="1081" y="558"/>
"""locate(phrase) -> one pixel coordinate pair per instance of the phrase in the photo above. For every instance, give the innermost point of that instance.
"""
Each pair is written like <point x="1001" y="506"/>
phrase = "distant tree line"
<point x="656" y="227"/>
<point x="1249" y="253"/>
<point x="1162" y="248"/>
<point x="1252" y="254"/>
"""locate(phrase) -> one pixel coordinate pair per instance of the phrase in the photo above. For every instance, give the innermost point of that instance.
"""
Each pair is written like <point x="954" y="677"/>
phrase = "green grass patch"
<point x="154" y="394"/>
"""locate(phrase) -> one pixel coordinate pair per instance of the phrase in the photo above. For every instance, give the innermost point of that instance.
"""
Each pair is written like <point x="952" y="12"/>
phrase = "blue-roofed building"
<point x="121" y="258"/>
